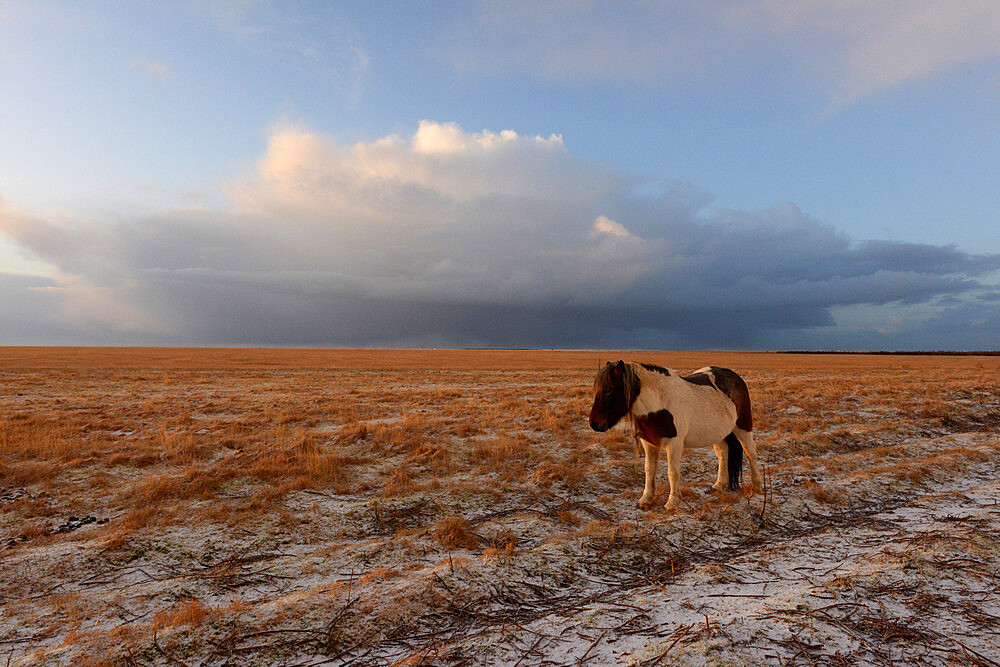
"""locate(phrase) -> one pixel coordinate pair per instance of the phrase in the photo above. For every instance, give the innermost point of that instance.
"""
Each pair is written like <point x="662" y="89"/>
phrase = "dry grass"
<point x="235" y="492"/>
<point x="189" y="613"/>
<point x="453" y="532"/>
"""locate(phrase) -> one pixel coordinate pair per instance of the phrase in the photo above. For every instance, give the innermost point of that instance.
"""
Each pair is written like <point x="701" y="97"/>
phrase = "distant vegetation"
<point x="919" y="353"/>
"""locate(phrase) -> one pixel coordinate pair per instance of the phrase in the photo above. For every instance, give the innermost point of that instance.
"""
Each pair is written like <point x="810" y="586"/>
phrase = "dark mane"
<point x="654" y="368"/>
<point x="630" y="382"/>
<point x="603" y="379"/>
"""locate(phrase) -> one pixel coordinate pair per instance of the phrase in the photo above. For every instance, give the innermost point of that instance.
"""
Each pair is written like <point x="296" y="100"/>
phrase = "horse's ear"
<point x="620" y="365"/>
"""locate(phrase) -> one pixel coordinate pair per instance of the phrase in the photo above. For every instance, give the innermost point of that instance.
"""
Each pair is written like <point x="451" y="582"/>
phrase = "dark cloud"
<point x="455" y="239"/>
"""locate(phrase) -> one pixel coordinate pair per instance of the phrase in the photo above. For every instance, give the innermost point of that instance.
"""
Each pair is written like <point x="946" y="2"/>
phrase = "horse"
<point x="710" y="407"/>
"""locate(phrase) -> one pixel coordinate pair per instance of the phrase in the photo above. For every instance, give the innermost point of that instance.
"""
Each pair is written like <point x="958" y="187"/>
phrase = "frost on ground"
<point x="295" y="516"/>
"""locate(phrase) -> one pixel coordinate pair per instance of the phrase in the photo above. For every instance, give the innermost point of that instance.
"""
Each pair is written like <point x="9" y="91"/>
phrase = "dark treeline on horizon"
<point x="939" y="353"/>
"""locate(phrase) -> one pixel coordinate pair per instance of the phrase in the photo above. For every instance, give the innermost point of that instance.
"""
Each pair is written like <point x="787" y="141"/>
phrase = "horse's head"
<point x="615" y="389"/>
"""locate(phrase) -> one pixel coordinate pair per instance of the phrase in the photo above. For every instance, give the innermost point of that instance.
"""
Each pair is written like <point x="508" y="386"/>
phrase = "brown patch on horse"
<point x="656" y="369"/>
<point x="733" y="386"/>
<point x="703" y="379"/>
<point x="655" y="426"/>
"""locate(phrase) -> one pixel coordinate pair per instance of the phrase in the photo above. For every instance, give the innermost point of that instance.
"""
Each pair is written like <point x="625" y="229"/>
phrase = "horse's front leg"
<point x="652" y="458"/>
<point x="674" y="448"/>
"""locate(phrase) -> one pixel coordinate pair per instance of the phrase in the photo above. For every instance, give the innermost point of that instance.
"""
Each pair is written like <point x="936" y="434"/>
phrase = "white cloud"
<point x="876" y="46"/>
<point x="851" y="48"/>
<point x="304" y="170"/>
<point x="434" y="137"/>
<point x="605" y="225"/>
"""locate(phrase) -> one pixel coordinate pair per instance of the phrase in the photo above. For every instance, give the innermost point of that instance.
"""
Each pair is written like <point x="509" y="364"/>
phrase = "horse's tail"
<point x="735" y="461"/>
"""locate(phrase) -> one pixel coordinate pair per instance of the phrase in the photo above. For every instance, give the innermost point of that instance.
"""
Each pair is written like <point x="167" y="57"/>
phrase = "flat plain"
<point x="307" y="507"/>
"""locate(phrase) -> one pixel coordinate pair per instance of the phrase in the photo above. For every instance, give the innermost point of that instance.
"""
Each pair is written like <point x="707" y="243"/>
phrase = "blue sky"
<point x="767" y="174"/>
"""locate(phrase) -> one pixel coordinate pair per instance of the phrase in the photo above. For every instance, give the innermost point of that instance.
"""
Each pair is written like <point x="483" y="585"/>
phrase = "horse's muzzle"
<point x="600" y="428"/>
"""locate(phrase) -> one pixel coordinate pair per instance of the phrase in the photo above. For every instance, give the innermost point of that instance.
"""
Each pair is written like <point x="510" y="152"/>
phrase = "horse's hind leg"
<point x="722" y="453"/>
<point x="746" y="438"/>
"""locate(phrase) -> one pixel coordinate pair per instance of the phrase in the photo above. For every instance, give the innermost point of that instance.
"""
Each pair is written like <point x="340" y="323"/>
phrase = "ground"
<point x="312" y="507"/>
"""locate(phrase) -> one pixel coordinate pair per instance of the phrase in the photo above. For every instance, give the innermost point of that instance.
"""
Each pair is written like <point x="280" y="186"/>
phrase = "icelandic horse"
<point x="709" y="408"/>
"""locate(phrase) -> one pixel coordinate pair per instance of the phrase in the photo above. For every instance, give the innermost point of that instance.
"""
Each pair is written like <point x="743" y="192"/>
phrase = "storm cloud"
<point x="451" y="238"/>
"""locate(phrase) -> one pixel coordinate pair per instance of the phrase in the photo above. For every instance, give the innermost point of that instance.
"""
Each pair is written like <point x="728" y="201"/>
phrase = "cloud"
<point x="455" y="238"/>
<point x="851" y="47"/>
<point x="42" y="310"/>
<point x="605" y="225"/>
<point x="879" y="46"/>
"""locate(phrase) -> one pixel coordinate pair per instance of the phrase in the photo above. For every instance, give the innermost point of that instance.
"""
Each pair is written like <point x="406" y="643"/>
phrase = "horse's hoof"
<point x="671" y="506"/>
<point x="645" y="506"/>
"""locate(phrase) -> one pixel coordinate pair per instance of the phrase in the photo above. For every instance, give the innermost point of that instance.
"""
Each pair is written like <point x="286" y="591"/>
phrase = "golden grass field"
<point x="307" y="507"/>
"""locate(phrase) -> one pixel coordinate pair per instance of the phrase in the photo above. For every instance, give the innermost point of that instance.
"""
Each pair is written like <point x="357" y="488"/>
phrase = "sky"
<point x="765" y="174"/>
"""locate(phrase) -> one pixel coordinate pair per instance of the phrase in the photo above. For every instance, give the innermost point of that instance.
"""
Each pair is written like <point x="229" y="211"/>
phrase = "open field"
<point x="308" y="507"/>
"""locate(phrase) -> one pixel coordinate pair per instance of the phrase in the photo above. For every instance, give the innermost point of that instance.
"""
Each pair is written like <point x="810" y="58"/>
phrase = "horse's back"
<point x="732" y="385"/>
<point x="704" y="414"/>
